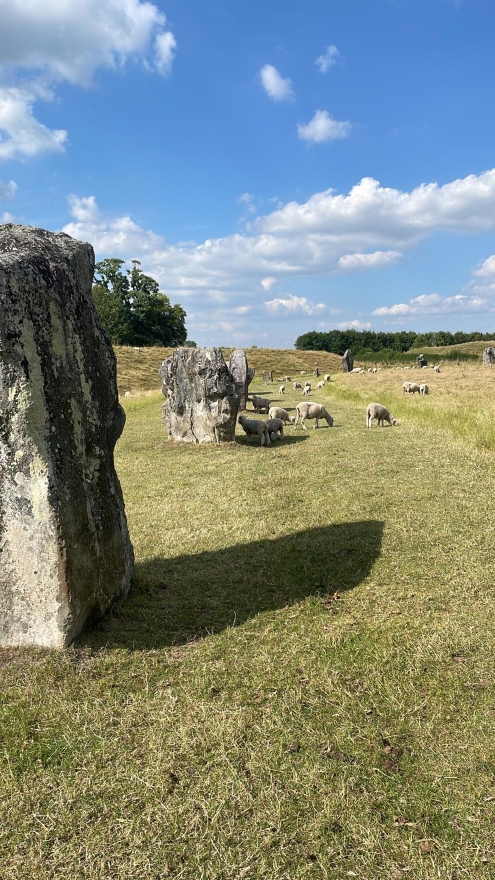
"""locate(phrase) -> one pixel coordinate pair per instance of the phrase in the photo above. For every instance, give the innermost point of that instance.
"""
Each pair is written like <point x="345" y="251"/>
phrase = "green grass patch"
<point x="300" y="684"/>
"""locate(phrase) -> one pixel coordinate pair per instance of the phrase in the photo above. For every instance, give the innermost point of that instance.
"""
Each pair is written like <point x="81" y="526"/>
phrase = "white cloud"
<point x="276" y="87"/>
<point x="376" y="260"/>
<point x="328" y="59"/>
<point x="434" y="304"/>
<point x="323" y="127"/>
<point x="165" y="46"/>
<point x="291" y="304"/>
<point x="354" y="325"/>
<point x="268" y="283"/>
<point x="43" y="43"/>
<point x="8" y="190"/>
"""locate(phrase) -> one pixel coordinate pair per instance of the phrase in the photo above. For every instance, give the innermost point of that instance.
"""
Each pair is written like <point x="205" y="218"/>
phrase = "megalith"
<point x="238" y="366"/>
<point x="65" y="552"/>
<point x="201" y="399"/>
<point x="421" y="361"/>
<point x="489" y="356"/>
<point x="347" y="361"/>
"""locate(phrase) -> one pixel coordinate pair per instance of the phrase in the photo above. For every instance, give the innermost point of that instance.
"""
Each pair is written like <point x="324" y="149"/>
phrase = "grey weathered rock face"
<point x="347" y="361"/>
<point x="250" y="374"/>
<point x="65" y="552"/>
<point x="489" y="356"/>
<point x="201" y="399"/>
<point x="238" y="366"/>
<point x="421" y="361"/>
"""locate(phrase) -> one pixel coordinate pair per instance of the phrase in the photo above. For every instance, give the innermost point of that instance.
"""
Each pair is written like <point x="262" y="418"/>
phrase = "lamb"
<point x="281" y="390"/>
<point x="306" y="391"/>
<point x="296" y="385"/>
<point x="327" y="377"/>
<point x="379" y="412"/>
<point x="275" y="428"/>
<point x="260" y="403"/>
<point x="276" y="412"/>
<point x="252" y="427"/>
<point x="320" y="385"/>
<point x="411" y="388"/>
<point x="316" y="411"/>
<point x="423" y="389"/>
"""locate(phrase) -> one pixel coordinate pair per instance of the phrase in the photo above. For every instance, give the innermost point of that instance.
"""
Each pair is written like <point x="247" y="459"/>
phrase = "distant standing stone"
<point x="238" y="366"/>
<point x="421" y="361"/>
<point x="347" y="361"/>
<point x="201" y="399"/>
<point x="65" y="552"/>
<point x="489" y="356"/>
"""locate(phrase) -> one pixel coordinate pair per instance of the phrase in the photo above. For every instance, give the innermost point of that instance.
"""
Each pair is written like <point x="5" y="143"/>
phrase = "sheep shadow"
<point x="286" y="440"/>
<point x="188" y="597"/>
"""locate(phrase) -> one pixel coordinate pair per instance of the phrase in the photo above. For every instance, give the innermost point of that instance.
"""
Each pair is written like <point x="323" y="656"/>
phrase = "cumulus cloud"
<point x="354" y="325"/>
<point x="323" y="127"/>
<point x="434" y="304"/>
<point x="268" y="283"/>
<point x="7" y="190"/>
<point x="276" y="86"/>
<point x="328" y="59"/>
<point x="376" y="260"/>
<point x="42" y="44"/>
<point x="291" y="304"/>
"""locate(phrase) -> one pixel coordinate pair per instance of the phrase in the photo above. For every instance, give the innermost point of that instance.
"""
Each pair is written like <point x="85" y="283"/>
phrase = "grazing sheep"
<point x="357" y="370"/>
<point x="260" y="403"/>
<point x="410" y="388"/>
<point x="251" y="427"/>
<point x="276" y="412"/>
<point x="296" y="385"/>
<point x="379" y="412"/>
<point x="423" y="389"/>
<point x="320" y="385"/>
<point x="303" y="372"/>
<point x="327" y="377"/>
<point x="281" y="390"/>
<point x="437" y="369"/>
<point x="128" y="394"/>
<point x="287" y="378"/>
<point x="306" y="391"/>
<point x="314" y="411"/>
<point x="275" y="429"/>
<point x="370" y="370"/>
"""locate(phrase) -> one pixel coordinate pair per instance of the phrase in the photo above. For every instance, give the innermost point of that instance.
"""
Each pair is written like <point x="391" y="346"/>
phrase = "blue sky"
<point x="279" y="167"/>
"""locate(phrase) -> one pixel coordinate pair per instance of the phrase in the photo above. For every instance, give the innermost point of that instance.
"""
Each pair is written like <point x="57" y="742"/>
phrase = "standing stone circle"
<point x="238" y="366"/>
<point x="489" y="356"/>
<point x="201" y="399"/>
<point x="65" y="552"/>
<point x="347" y="361"/>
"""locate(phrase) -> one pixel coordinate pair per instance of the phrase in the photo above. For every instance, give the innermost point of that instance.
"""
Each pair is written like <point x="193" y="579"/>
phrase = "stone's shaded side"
<point x="65" y="552"/>
<point x="250" y="374"/>
<point x="201" y="399"/>
<point x="347" y="361"/>
<point x="421" y="361"/>
<point x="489" y="356"/>
<point x="238" y="366"/>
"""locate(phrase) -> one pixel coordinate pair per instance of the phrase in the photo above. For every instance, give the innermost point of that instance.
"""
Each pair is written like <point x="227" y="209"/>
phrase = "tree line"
<point x="131" y="308"/>
<point x="366" y="343"/>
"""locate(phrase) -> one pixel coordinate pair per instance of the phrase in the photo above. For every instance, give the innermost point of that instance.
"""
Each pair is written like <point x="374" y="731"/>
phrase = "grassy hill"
<point x="137" y="370"/>
<point x="469" y="347"/>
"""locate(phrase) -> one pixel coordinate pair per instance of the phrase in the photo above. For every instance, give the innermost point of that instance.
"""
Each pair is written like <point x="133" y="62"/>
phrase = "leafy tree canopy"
<point x="131" y="308"/>
<point x="365" y="343"/>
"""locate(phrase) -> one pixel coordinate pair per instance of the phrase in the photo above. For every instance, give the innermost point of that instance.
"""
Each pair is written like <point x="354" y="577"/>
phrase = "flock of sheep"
<point x="273" y="428"/>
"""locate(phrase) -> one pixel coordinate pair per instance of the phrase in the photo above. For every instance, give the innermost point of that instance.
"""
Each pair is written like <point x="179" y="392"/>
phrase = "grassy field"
<point x="301" y="683"/>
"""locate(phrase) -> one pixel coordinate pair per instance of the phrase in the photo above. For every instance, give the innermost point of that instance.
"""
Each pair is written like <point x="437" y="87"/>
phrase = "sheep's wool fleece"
<point x="201" y="399"/>
<point x="65" y="552"/>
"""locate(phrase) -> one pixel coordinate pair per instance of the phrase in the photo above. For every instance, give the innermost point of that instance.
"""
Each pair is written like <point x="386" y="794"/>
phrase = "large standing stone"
<point x="65" y="551"/>
<point x="238" y="366"/>
<point x="347" y="361"/>
<point x="201" y="399"/>
<point x="489" y="356"/>
<point x="421" y="361"/>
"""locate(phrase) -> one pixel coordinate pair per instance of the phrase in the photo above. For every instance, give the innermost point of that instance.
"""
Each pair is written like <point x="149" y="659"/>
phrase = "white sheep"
<point x="437" y="369"/>
<point x="128" y="394"/>
<point x="357" y="370"/>
<point x="320" y="385"/>
<point x="410" y="388"/>
<point x="316" y="411"/>
<point x="303" y="372"/>
<point x="379" y="412"/>
<point x="251" y="427"/>
<point x="423" y="389"/>
<point x="275" y="429"/>
<point x="276" y="412"/>
<point x="260" y="403"/>
<point x="296" y="385"/>
<point x="327" y="377"/>
<point x="306" y="391"/>
<point x="281" y="390"/>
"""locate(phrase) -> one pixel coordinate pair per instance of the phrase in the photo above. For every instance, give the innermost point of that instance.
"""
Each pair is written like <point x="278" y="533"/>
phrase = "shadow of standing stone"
<point x="201" y="399"/>
<point x="65" y="552"/>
